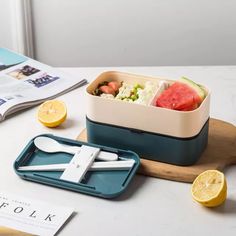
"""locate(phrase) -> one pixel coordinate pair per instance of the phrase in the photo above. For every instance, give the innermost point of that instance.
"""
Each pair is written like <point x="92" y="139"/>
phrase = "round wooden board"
<point x="220" y="152"/>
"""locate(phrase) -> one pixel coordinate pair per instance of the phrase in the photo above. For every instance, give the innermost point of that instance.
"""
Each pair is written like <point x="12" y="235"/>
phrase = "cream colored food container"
<point x="176" y="137"/>
<point x="147" y="118"/>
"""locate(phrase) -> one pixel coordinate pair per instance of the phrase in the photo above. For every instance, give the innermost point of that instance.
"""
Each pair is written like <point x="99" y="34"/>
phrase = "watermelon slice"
<point x="183" y="95"/>
<point x="199" y="90"/>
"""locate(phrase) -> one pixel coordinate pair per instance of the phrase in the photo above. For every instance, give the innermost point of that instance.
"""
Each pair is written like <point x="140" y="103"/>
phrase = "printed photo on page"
<point x="25" y="82"/>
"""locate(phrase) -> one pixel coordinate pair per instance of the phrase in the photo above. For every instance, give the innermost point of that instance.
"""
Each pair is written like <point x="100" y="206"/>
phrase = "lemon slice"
<point x="52" y="113"/>
<point x="210" y="188"/>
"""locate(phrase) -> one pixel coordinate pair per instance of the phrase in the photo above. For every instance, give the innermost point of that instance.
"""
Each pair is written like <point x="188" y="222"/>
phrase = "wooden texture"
<point x="220" y="152"/>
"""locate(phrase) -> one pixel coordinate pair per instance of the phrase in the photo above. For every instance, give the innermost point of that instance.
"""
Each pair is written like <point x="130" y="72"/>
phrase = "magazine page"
<point x="25" y="82"/>
<point x="21" y="216"/>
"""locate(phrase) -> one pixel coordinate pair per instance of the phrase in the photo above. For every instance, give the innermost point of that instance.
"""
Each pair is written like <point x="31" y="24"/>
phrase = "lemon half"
<point x="210" y="188"/>
<point x="52" y="113"/>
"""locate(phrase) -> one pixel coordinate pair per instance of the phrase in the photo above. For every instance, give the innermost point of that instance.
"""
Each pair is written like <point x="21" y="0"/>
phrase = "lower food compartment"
<point x="157" y="147"/>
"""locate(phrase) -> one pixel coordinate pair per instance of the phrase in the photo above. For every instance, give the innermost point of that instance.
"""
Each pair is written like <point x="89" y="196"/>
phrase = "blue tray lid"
<point x="105" y="183"/>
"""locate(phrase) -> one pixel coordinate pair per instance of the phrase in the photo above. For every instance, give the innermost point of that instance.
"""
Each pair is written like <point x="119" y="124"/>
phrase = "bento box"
<point x="156" y="133"/>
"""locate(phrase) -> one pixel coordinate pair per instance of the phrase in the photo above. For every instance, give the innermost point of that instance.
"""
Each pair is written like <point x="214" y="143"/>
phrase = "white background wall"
<point x="6" y="39"/>
<point x="132" y="32"/>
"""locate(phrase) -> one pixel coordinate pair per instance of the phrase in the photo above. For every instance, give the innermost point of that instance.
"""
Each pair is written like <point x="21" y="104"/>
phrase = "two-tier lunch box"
<point x="155" y="133"/>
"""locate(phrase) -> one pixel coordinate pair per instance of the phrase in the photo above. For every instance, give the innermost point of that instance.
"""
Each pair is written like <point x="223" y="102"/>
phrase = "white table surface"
<point x="150" y="206"/>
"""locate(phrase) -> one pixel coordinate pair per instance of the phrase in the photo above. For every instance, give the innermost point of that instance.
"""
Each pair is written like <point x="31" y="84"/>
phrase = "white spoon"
<point x="50" y="145"/>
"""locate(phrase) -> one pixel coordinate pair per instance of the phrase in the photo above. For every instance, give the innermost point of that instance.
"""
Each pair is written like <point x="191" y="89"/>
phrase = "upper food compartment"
<point x="163" y="106"/>
<point x="125" y="87"/>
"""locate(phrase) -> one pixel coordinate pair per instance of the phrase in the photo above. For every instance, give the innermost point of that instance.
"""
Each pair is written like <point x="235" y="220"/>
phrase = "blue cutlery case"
<point x="100" y="183"/>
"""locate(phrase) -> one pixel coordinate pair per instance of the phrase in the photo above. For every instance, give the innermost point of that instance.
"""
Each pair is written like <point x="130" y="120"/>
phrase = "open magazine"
<point x="25" y="82"/>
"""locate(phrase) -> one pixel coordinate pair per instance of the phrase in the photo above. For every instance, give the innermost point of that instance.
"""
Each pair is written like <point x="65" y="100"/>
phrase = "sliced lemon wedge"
<point x="210" y="188"/>
<point x="52" y="113"/>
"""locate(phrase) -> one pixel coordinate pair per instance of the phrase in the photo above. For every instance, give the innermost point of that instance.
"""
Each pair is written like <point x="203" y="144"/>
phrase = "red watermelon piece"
<point x="179" y="96"/>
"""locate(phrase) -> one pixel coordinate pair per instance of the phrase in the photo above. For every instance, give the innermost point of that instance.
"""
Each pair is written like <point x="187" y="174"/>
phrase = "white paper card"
<point x="31" y="216"/>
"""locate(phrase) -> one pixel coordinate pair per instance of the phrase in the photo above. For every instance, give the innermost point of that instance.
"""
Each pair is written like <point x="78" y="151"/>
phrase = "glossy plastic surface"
<point x="106" y="183"/>
<point x="157" y="147"/>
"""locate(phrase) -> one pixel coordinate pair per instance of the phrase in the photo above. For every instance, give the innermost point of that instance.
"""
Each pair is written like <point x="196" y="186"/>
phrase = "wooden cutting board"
<point x="220" y="152"/>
